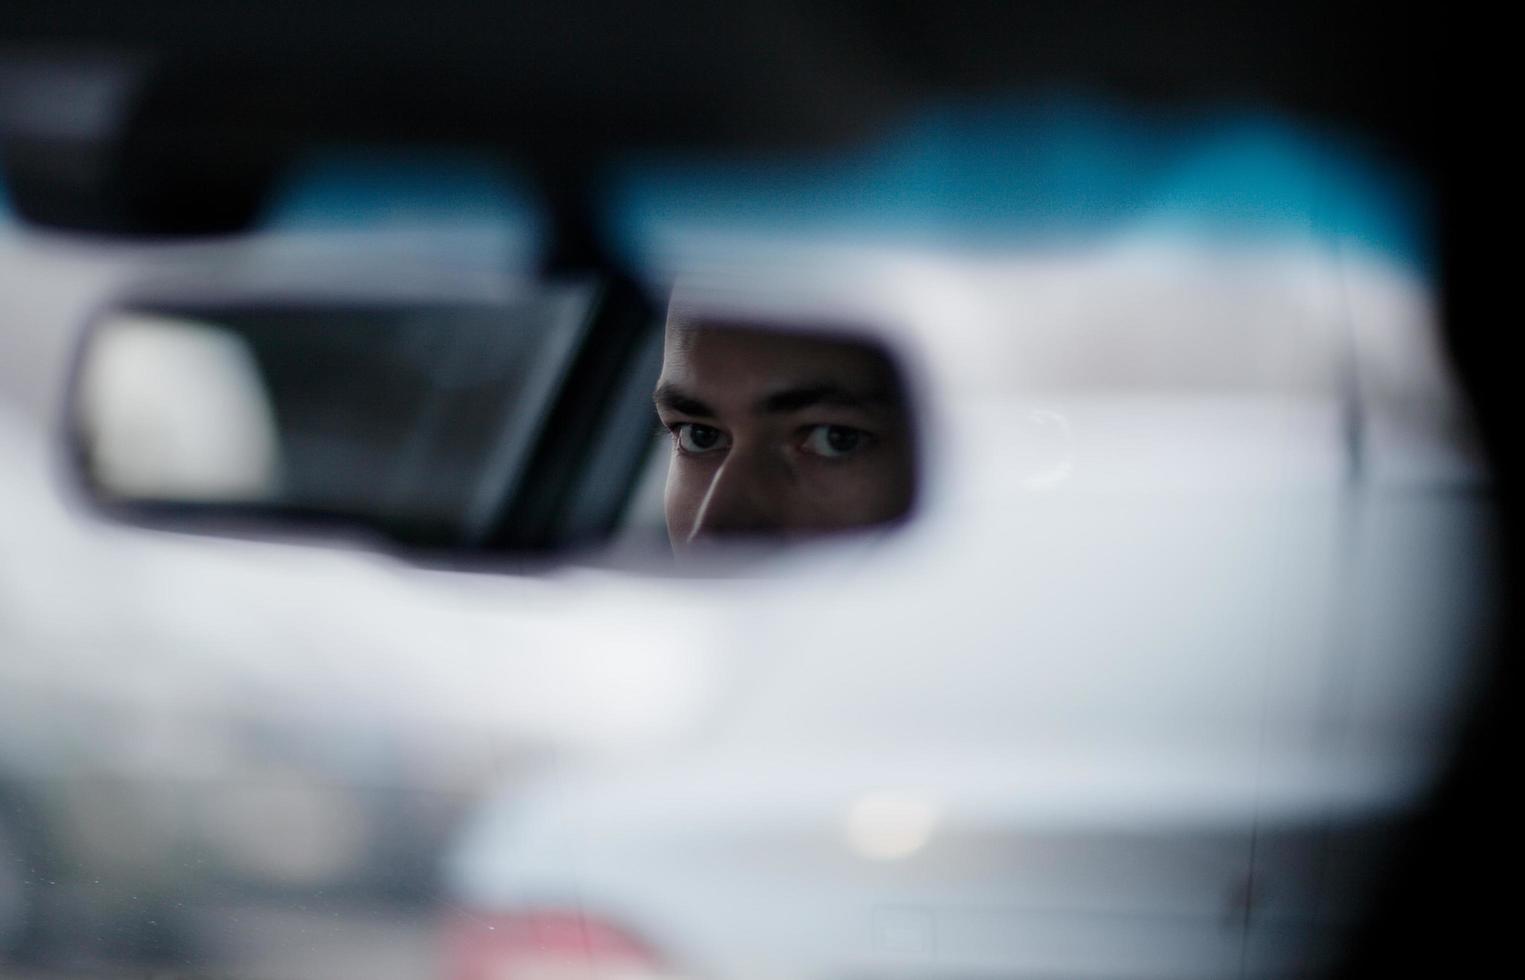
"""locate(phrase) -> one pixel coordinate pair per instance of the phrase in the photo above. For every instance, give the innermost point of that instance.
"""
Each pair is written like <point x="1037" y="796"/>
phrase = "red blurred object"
<point x="542" y="944"/>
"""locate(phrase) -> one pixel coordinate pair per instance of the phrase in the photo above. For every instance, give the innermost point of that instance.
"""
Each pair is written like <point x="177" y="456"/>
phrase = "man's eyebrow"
<point x="811" y="395"/>
<point x="675" y="399"/>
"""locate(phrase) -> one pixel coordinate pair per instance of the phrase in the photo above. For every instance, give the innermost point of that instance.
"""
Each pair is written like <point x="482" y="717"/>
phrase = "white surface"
<point x="1122" y="634"/>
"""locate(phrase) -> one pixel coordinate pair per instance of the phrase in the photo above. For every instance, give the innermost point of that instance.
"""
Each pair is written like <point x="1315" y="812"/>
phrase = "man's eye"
<point x="834" y="441"/>
<point x="696" y="439"/>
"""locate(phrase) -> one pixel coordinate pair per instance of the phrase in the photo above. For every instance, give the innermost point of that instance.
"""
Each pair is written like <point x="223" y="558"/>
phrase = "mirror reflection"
<point x="174" y="407"/>
<point x="495" y="427"/>
<point x="778" y="434"/>
<point x="413" y="418"/>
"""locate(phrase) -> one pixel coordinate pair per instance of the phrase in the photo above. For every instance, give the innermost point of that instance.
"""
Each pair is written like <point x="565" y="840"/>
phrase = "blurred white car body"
<point x="1173" y="646"/>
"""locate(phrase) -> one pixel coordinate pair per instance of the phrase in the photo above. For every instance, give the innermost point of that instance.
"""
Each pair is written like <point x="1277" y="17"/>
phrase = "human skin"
<point x="779" y="435"/>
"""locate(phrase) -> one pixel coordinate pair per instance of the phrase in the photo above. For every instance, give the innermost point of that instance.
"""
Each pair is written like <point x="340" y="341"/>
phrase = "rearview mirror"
<point x="567" y="417"/>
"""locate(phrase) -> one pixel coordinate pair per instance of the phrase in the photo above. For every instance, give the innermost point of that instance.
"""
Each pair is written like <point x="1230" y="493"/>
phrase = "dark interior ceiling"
<point x="171" y="116"/>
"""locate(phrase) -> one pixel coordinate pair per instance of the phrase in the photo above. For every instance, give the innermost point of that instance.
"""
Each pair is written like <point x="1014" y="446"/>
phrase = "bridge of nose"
<point x="747" y="494"/>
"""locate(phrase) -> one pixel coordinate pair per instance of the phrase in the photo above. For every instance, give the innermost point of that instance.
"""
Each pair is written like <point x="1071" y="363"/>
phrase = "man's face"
<point x="779" y="435"/>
